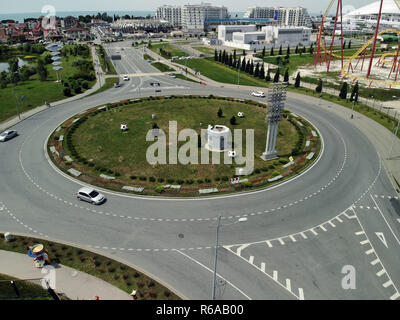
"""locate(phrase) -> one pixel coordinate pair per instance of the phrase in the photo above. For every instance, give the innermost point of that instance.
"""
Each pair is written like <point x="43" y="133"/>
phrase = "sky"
<point x="22" y="6"/>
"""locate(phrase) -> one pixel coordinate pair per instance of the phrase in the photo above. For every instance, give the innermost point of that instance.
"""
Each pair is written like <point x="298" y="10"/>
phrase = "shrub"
<point x="272" y="167"/>
<point x="67" y="92"/>
<point x="257" y="171"/>
<point x="208" y="180"/>
<point x="160" y="180"/>
<point x="142" y="178"/>
<point x="85" y="85"/>
<point x="225" y="178"/>
<point x="200" y="181"/>
<point x="275" y="173"/>
<point x="180" y="182"/>
<point x="133" y="177"/>
<point x="247" y="184"/>
<point x="160" y="189"/>
<point x="117" y="174"/>
<point x="152" y="179"/>
<point x="171" y="180"/>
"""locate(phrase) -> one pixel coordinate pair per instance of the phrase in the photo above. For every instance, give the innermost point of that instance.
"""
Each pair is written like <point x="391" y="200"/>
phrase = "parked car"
<point x="90" y="195"/>
<point x="125" y="78"/>
<point x="117" y="84"/>
<point x="7" y="135"/>
<point x="258" y="94"/>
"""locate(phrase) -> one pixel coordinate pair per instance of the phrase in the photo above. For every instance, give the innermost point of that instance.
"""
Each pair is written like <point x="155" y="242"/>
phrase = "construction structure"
<point x="276" y="100"/>
<point x="364" y="63"/>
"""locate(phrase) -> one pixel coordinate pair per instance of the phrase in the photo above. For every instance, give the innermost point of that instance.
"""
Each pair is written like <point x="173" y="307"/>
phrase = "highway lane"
<point x="343" y="179"/>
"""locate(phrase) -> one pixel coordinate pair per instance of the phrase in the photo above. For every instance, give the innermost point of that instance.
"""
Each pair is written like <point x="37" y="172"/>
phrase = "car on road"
<point x="7" y="135"/>
<point x="155" y="84"/>
<point x="158" y="90"/>
<point x="258" y="94"/>
<point x="117" y="84"/>
<point x="125" y="78"/>
<point x="90" y="195"/>
<point x="172" y="75"/>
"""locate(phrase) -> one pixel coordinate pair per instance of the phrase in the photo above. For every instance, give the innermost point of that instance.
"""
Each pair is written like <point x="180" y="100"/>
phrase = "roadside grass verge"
<point x="168" y="51"/>
<point x="105" y="62"/>
<point x="111" y="271"/>
<point x="182" y="77"/>
<point x="109" y="83"/>
<point x="221" y="73"/>
<point x="162" y="67"/>
<point x="148" y="57"/>
<point x="204" y="50"/>
<point x="27" y="290"/>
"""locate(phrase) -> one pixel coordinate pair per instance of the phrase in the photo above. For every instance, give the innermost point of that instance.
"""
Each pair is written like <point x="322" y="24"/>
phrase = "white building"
<point x="249" y="38"/>
<point x="284" y="16"/>
<point x="368" y="15"/>
<point x="172" y="14"/>
<point x="191" y="17"/>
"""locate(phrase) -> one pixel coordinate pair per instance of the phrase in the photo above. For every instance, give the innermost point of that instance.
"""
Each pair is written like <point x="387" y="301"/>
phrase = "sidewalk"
<point x="100" y="79"/>
<point x="76" y="285"/>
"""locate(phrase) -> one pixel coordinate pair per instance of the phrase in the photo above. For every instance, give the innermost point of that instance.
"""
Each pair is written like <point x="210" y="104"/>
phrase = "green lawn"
<point x="221" y="73"/>
<point x="148" y="57"/>
<point x="27" y="290"/>
<point x="205" y="50"/>
<point x="162" y="67"/>
<point x="182" y="77"/>
<point x="35" y="91"/>
<point x="109" y="83"/>
<point x="171" y="50"/>
<point x="106" y="63"/>
<point x="111" y="271"/>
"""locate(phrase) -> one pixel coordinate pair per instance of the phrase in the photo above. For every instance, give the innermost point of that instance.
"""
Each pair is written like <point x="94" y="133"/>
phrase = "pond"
<point x="5" y="65"/>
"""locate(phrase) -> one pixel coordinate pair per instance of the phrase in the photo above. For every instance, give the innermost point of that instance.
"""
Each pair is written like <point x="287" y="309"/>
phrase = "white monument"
<point x="218" y="138"/>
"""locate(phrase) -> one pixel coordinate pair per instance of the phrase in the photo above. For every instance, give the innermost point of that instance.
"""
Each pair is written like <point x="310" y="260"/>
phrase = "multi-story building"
<point x="192" y="18"/>
<point x="284" y="16"/>
<point x="172" y="14"/>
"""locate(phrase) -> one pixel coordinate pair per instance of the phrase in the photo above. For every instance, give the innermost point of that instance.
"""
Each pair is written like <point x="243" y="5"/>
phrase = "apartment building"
<point x="172" y="14"/>
<point x="284" y="16"/>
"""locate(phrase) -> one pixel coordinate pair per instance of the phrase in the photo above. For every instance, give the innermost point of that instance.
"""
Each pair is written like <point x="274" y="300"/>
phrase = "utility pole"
<point x="16" y="101"/>
<point x="216" y="258"/>
<point x="394" y="139"/>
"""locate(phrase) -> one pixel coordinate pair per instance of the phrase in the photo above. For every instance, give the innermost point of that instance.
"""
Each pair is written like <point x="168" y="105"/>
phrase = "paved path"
<point x="74" y="284"/>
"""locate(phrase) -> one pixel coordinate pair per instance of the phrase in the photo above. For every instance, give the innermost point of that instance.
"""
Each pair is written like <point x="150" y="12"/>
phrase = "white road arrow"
<point x="382" y="238"/>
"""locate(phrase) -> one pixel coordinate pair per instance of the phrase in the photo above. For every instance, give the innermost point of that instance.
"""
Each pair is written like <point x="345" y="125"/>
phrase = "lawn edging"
<point x="98" y="256"/>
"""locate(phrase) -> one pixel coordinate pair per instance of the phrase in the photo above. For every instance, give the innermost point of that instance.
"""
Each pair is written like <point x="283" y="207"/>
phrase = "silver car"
<point x="90" y="195"/>
<point x="7" y="135"/>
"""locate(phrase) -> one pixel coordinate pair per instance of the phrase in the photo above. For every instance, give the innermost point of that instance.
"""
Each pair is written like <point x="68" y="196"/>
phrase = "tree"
<point x="244" y="53"/>
<point x="257" y="70"/>
<point x="14" y="65"/>
<point x="272" y="51"/>
<point x="286" y="76"/>
<point x="349" y="47"/>
<point x="248" y="65"/>
<point x="244" y="65"/>
<point x="280" y="50"/>
<point x="344" y="44"/>
<point x="233" y="121"/>
<point x="220" y="113"/>
<point x="251" y="71"/>
<point x="262" y="72"/>
<point x="298" y="79"/>
<point x="288" y="51"/>
<point x="67" y="92"/>
<point x="276" y="77"/>
<point x="343" y="91"/>
<point x="41" y="70"/>
<point x="268" y="77"/>
<point x="263" y="52"/>
<point x="199" y="141"/>
<point x="216" y="55"/>
<point x="319" y="86"/>
<point x="297" y="49"/>
<point x="234" y="54"/>
<point x="220" y="56"/>
<point x="354" y="93"/>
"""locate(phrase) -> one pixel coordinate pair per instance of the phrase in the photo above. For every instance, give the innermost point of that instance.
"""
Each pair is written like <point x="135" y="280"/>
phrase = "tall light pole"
<point x="216" y="251"/>
<point x="394" y="138"/>
<point x="15" y="98"/>
<point x="276" y="99"/>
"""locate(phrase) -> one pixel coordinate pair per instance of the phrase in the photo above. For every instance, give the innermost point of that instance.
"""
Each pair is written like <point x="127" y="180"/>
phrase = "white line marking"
<point x="303" y="235"/>
<point x="263" y="267"/>
<point x="301" y="294"/>
<point x="292" y="238"/>
<point x="364" y="242"/>
<point x="251" y="259"/>
<point x="369" y="251"/>
<point x="374" y="262"/>
<point x="322" y="227"/>
<point x="385" y="219"/>
<point x="269" y="243"/>
<point x="395" y="296"/>
<point x="387" y="283"/>
<point x="205" y="267"/>
<point x="380" y="273"/>
<point x="281" y="241"/>
<point x="381" y="237"/>
<point x="275" y="275"/>
<point x="288" y="285"/>
<point x="338" y="219"/>
<point x="331" y="223"/>
<point x="359" y="233"/>
<point x="239" y="250"/>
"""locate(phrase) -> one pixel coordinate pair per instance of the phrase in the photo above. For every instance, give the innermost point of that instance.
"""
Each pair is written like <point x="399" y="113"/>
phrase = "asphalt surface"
<point x="298" y="237"/>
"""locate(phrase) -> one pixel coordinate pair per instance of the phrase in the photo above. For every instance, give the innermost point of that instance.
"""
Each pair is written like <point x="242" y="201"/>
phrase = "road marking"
<point x="263" y="267"/>
<point x="205" y="267"/>
<point x="322" y="227"/>
<point x="239" y="250"/>
<point x="288" y="285"/>
<point x="369" y="251"/>
<point x="269" y="243"/>
<point x="338" y="219"/>
<point x="380" y="273"/>
<point x="332" y="224"/>
<point x="275" y="275"/>
<point x="292" y="238"/>
<point x="313" y="231"/>
<point x="385" y="219"/>
<point x="381" y="237"/>
<point x="387" y="283"/>
<point x="395" y="296"/>
<point x="364" y="242"/>
<point x="281" y="241"/>
<point x="359" y="233"/>
<point x="303" y="235"/>
<point x="374" y="262"/>
<point x="301" y="294"/>
<point x="251" y="259"/>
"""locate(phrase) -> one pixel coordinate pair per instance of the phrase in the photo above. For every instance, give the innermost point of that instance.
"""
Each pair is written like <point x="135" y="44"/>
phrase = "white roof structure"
<point x="388" y="7"/>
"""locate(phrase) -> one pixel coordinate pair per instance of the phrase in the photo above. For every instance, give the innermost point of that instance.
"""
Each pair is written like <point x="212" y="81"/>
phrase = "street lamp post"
<point x="394" y="138"/>
<point x="15" y="98"/>
<point x="216" y="251"/>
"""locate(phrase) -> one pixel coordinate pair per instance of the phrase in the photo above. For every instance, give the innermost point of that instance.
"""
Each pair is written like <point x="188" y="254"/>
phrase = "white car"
<point x="258" y="94"/>
<point x="7" y="135"/>
<point x="125" y="78"/>
<point x="90" y="195"/>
